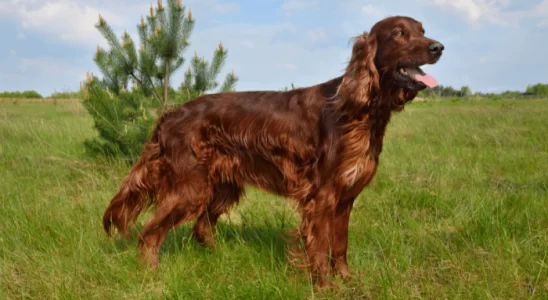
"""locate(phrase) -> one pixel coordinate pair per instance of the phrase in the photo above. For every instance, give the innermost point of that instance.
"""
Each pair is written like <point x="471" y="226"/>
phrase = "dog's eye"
<point x="399" y="33"/>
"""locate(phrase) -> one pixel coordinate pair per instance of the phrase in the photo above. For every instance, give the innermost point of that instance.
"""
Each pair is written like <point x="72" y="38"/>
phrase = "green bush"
<point x="123" y="121"/>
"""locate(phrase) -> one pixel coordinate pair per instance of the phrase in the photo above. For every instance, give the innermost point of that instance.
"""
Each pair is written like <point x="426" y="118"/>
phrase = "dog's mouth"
<point x="416" y="74"/>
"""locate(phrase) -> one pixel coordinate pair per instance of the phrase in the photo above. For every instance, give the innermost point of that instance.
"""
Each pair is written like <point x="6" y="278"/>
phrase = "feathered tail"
<point x="138" y="189"/>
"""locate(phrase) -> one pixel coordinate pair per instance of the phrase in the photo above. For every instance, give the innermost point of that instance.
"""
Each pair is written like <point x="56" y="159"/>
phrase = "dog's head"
<point x="401" y="49"/>
<point x="388" y="59"/>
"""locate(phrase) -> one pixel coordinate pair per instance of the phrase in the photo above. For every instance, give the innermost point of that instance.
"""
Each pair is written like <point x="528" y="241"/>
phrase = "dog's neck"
<point x="363" y="120"/>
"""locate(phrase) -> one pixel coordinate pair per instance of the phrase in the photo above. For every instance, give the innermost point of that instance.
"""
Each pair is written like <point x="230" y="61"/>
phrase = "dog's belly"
<point x="276" y="174"/>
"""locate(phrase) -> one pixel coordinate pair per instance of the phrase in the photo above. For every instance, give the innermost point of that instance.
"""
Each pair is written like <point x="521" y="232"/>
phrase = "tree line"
<point x="538" y="90"/>
<point x="19" y="95"/>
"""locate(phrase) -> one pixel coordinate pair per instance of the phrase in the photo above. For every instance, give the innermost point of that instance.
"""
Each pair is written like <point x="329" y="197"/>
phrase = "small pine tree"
<point x="201" y="75"/>
<point x="164" y="38"/>
<point x="122" y="120"/>
<point x="124" y="116"/>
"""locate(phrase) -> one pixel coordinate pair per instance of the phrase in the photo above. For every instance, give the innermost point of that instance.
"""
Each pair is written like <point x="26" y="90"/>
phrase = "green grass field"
<point x="458" y="210"/>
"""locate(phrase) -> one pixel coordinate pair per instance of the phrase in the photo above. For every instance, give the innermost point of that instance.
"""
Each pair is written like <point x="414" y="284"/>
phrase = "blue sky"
<point x="491" y="45"/>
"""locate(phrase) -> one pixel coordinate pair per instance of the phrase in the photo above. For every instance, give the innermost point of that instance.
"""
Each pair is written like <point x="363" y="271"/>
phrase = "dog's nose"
<point x="436" y="47"/>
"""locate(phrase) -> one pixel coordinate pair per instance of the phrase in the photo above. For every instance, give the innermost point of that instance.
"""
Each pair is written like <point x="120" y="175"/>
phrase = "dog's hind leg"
<point x="225" y="195"/>
<point x="186" y="203"/>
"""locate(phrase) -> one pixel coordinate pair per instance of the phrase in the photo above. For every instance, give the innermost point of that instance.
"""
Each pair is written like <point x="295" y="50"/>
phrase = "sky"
<point x="490" y="45"/>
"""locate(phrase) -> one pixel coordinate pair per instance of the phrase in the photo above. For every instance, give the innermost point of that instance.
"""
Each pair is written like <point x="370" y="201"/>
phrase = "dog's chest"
<point x="360" y="172"/>
<point x="362" y="147"/>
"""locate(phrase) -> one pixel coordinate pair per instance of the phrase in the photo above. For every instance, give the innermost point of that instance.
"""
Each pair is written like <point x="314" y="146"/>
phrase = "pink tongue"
<point x="427" y="79"/>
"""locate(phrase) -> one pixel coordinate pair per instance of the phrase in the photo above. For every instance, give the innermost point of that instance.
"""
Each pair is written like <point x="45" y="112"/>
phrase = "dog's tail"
<point x="138" y="189"/>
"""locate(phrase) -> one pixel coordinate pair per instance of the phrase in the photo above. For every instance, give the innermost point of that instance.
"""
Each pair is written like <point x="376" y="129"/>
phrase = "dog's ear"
<point x="361" y="79"/>
<point x="371" y="69"/>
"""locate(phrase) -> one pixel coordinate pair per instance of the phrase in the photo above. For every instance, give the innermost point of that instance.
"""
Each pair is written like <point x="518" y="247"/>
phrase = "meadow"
<point x="458" y="210"/>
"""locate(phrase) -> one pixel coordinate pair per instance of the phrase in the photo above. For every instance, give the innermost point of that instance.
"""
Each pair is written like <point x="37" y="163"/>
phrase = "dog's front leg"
<point x="339" y="238"/>
<point x="316" y="229"/>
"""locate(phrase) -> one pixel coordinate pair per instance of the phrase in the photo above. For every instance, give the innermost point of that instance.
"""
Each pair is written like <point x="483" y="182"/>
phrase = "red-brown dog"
<point x="319" y="145"/>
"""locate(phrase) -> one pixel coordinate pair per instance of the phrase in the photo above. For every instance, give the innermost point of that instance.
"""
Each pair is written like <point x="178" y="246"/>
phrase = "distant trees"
<point x="20" y="95"/>
<point x="538" y="89"/>
<point x="31" y="94"/>
<point x="465" y="91"/>
<point x="123" y="115"/>
<point x="446" y="91"/>
<point x="511" y="94"/>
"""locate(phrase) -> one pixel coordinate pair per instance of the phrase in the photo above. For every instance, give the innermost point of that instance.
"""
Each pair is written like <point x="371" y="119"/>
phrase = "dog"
<point x="318" y="145"/>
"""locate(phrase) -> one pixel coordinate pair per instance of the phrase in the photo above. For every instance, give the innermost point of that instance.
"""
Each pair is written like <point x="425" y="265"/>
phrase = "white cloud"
<point x="542" y="11"/>
<point x="13" y="52"/>
<point x="542" y="8"/>
<point x="477" y="11"/>
<point x="373" y="11"/>
<point x="292" y="6"/>
<point x="73" y="21"/>
<point x="21" y="36"/>
<point x="495" y="12"/>
<point x="470" y="8"/>
<point x="70" y="21"/>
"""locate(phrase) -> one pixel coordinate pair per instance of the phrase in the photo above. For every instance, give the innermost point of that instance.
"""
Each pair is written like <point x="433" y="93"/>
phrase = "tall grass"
<point x="459" y="209"/>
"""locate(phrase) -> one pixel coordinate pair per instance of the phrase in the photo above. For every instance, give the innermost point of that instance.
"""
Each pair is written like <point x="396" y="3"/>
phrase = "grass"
<point x="458" y="210"/>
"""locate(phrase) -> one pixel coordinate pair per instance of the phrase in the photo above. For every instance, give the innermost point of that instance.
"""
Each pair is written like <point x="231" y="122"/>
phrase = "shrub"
<point x="123" y="121"/>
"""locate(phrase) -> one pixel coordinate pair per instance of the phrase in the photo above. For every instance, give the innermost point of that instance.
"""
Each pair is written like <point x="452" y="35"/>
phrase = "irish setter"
<point x="318" y="145"/>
